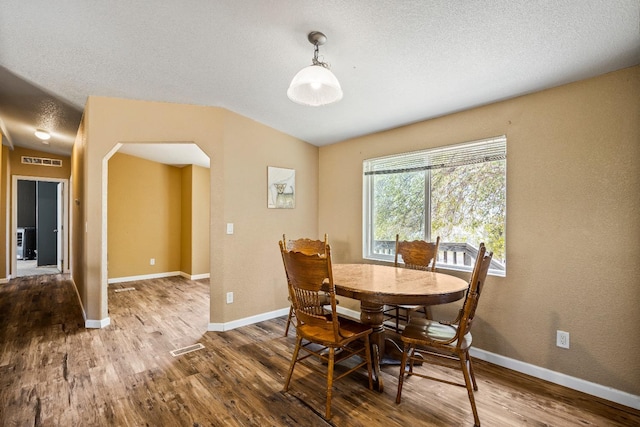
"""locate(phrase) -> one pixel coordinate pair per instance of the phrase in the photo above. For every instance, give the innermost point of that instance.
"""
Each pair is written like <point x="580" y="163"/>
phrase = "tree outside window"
<point x="457" y="193"/>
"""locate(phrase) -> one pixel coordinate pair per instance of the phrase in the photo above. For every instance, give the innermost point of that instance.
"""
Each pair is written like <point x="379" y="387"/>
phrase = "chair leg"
<point x="332" y="355"/>
<point x="294" y="360"/>
<point x="403" y="364"/>
<point x="467" y="380"/>
<point x="397" y="319"/>
<point x="286" y="330"/>
<point x="473" y="377"/>
<point x="412" y="359"/>
<point x="427" y="312"/>
<point x="367" y="352"/>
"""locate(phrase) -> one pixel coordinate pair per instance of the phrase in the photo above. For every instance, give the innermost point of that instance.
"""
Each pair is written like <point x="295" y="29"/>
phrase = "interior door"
<point x="47" y="220"/>
<point x="60" y="227"/>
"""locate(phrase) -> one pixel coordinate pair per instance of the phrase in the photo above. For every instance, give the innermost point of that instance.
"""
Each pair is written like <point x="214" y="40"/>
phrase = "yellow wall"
<point x="165" y="216"/>
<point x="18" y="168"/>
<point x="200" y="203"/>
<point x="144" y="216"/>
<point x="12" y="160"/>
<point x="195" y="221"/>
<point x="247" y="262"/>
<point x="573" y="185"/>
<point x="186" y="225"/>
<point x="4" y="210"/>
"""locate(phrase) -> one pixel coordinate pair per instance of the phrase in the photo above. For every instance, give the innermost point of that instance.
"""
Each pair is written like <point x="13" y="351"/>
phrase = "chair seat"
<point x="431" y="333"/>
<point x="349" y="331"/>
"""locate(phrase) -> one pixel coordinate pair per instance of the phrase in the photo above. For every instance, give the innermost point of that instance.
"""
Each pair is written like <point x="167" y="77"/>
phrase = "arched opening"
<point x="156" y="211"/>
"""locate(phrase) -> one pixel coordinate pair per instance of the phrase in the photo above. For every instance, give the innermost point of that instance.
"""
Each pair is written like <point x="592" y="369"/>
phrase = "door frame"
<point x="63" y="221"/>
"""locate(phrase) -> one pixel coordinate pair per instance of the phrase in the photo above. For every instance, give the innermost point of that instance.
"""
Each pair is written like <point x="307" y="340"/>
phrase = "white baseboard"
<point x="3" y="281"/>
<point x="221" y="327"/>
<point x="97" y="324"/>
<point x="355" y="315"/>
<point x="593" y="389"/>
<point x="159" y="276"/>
<point x="89" y="323"/>
<point x="604" y="392"/>
<point x="195" y="276"/>
<point x="143" y="277"/>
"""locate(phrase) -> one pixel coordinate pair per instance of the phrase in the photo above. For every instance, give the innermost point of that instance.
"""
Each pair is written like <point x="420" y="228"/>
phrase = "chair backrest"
<point x="418" y="254"/>
<point x="478" y="276"/>
<point x="307" y="246"/>
<point x="309" y="275"/>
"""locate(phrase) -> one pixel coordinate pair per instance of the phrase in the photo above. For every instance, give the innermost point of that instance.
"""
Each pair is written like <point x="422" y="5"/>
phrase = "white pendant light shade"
<point x="314" y="85"/>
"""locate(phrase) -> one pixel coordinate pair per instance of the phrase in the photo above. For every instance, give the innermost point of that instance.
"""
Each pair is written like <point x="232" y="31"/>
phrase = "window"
<point x="455" y="192"/>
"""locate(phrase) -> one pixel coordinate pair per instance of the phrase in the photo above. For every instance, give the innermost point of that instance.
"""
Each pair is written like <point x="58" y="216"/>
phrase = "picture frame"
<point x="281" y="188"/>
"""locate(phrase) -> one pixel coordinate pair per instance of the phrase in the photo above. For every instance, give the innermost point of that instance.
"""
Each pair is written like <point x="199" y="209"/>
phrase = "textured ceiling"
<point x="398" y="61"/>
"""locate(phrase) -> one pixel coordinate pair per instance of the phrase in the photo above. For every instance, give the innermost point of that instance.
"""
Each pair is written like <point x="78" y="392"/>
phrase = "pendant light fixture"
<point x="315" y="85"/>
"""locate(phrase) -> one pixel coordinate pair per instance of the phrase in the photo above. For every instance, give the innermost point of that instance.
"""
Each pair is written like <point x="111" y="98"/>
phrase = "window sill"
<point x="441" y="268"/>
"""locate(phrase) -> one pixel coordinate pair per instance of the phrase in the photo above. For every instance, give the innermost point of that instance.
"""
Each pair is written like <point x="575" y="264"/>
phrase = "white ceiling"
<point x="398" y="61"/>
<point x="173" y="153"/>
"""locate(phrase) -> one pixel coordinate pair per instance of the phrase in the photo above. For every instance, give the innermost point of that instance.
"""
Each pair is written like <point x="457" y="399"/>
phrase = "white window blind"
<point x="485" y="150"/>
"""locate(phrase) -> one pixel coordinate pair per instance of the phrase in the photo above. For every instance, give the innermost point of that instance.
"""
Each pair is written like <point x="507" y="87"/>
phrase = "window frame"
<point x="368" y="240"/>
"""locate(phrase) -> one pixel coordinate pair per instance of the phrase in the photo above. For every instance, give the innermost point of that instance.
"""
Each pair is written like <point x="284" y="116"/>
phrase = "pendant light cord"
<point x="315" y="60"/>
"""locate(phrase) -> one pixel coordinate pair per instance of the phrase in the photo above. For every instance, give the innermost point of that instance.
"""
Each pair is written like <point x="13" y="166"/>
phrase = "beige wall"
<point x="247" y="262"/>
<point x="252" y="259"/>
<point x="144" y="217"/>
<point x="79" y="226"/>
<point x="573" y="185"/>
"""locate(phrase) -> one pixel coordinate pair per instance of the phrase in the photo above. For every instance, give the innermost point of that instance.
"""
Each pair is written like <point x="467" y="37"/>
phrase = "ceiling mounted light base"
<point x="315" y="85"/>
<point x="42" y="134"/>
<point x="316" y="38"/>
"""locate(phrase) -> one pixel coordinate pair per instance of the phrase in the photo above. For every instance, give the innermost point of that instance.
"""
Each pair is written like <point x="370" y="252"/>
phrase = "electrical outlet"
<point x="152" y="261"/>
<point x="229" y="297"/>
<point x="562" y="339"/>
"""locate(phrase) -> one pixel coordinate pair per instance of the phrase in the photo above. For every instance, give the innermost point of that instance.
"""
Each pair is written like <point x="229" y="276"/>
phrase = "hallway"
<point x="30" y="268"/>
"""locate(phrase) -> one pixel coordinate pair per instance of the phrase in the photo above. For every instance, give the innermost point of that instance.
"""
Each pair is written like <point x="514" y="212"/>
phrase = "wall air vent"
<point x="41" y="161"/>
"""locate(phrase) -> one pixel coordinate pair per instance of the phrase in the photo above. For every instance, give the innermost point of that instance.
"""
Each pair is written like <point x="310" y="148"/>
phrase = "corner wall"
<point x="573" y="180"/>
<point x="194" y="241"/>
<point x="5" y="181"/>
<point x="144" y="217"/>
<point x="200" y="212"/>
<point x="247" y="262"/>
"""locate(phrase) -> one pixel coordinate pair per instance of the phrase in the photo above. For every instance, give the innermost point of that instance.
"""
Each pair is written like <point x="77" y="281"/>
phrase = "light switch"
<point x="229" y="228"/>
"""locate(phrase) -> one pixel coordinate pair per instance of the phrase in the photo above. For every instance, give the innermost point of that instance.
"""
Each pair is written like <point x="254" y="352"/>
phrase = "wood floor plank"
<point x="54" y="372"/>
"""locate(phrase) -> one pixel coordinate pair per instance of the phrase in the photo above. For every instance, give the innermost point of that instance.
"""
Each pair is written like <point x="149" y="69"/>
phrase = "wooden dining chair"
<point x="325" y="334"/>
<point x="310" y="247"/>
<point x="417" y="255"/>
<point x="428" y="341"/>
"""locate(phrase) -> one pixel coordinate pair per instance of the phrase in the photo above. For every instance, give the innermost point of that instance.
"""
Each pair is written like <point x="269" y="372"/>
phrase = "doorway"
<point x="39" y="221"/>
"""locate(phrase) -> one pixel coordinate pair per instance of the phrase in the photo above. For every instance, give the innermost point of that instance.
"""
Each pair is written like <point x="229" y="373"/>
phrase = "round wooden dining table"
<point x="376" y="285"/>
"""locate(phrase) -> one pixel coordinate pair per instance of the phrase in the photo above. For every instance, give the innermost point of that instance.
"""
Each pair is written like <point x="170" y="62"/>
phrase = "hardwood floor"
<point x="53" y="372"/>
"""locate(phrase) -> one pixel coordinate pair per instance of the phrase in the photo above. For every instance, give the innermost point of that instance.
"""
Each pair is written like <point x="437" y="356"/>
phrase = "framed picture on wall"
<point x="281" y="188"/>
